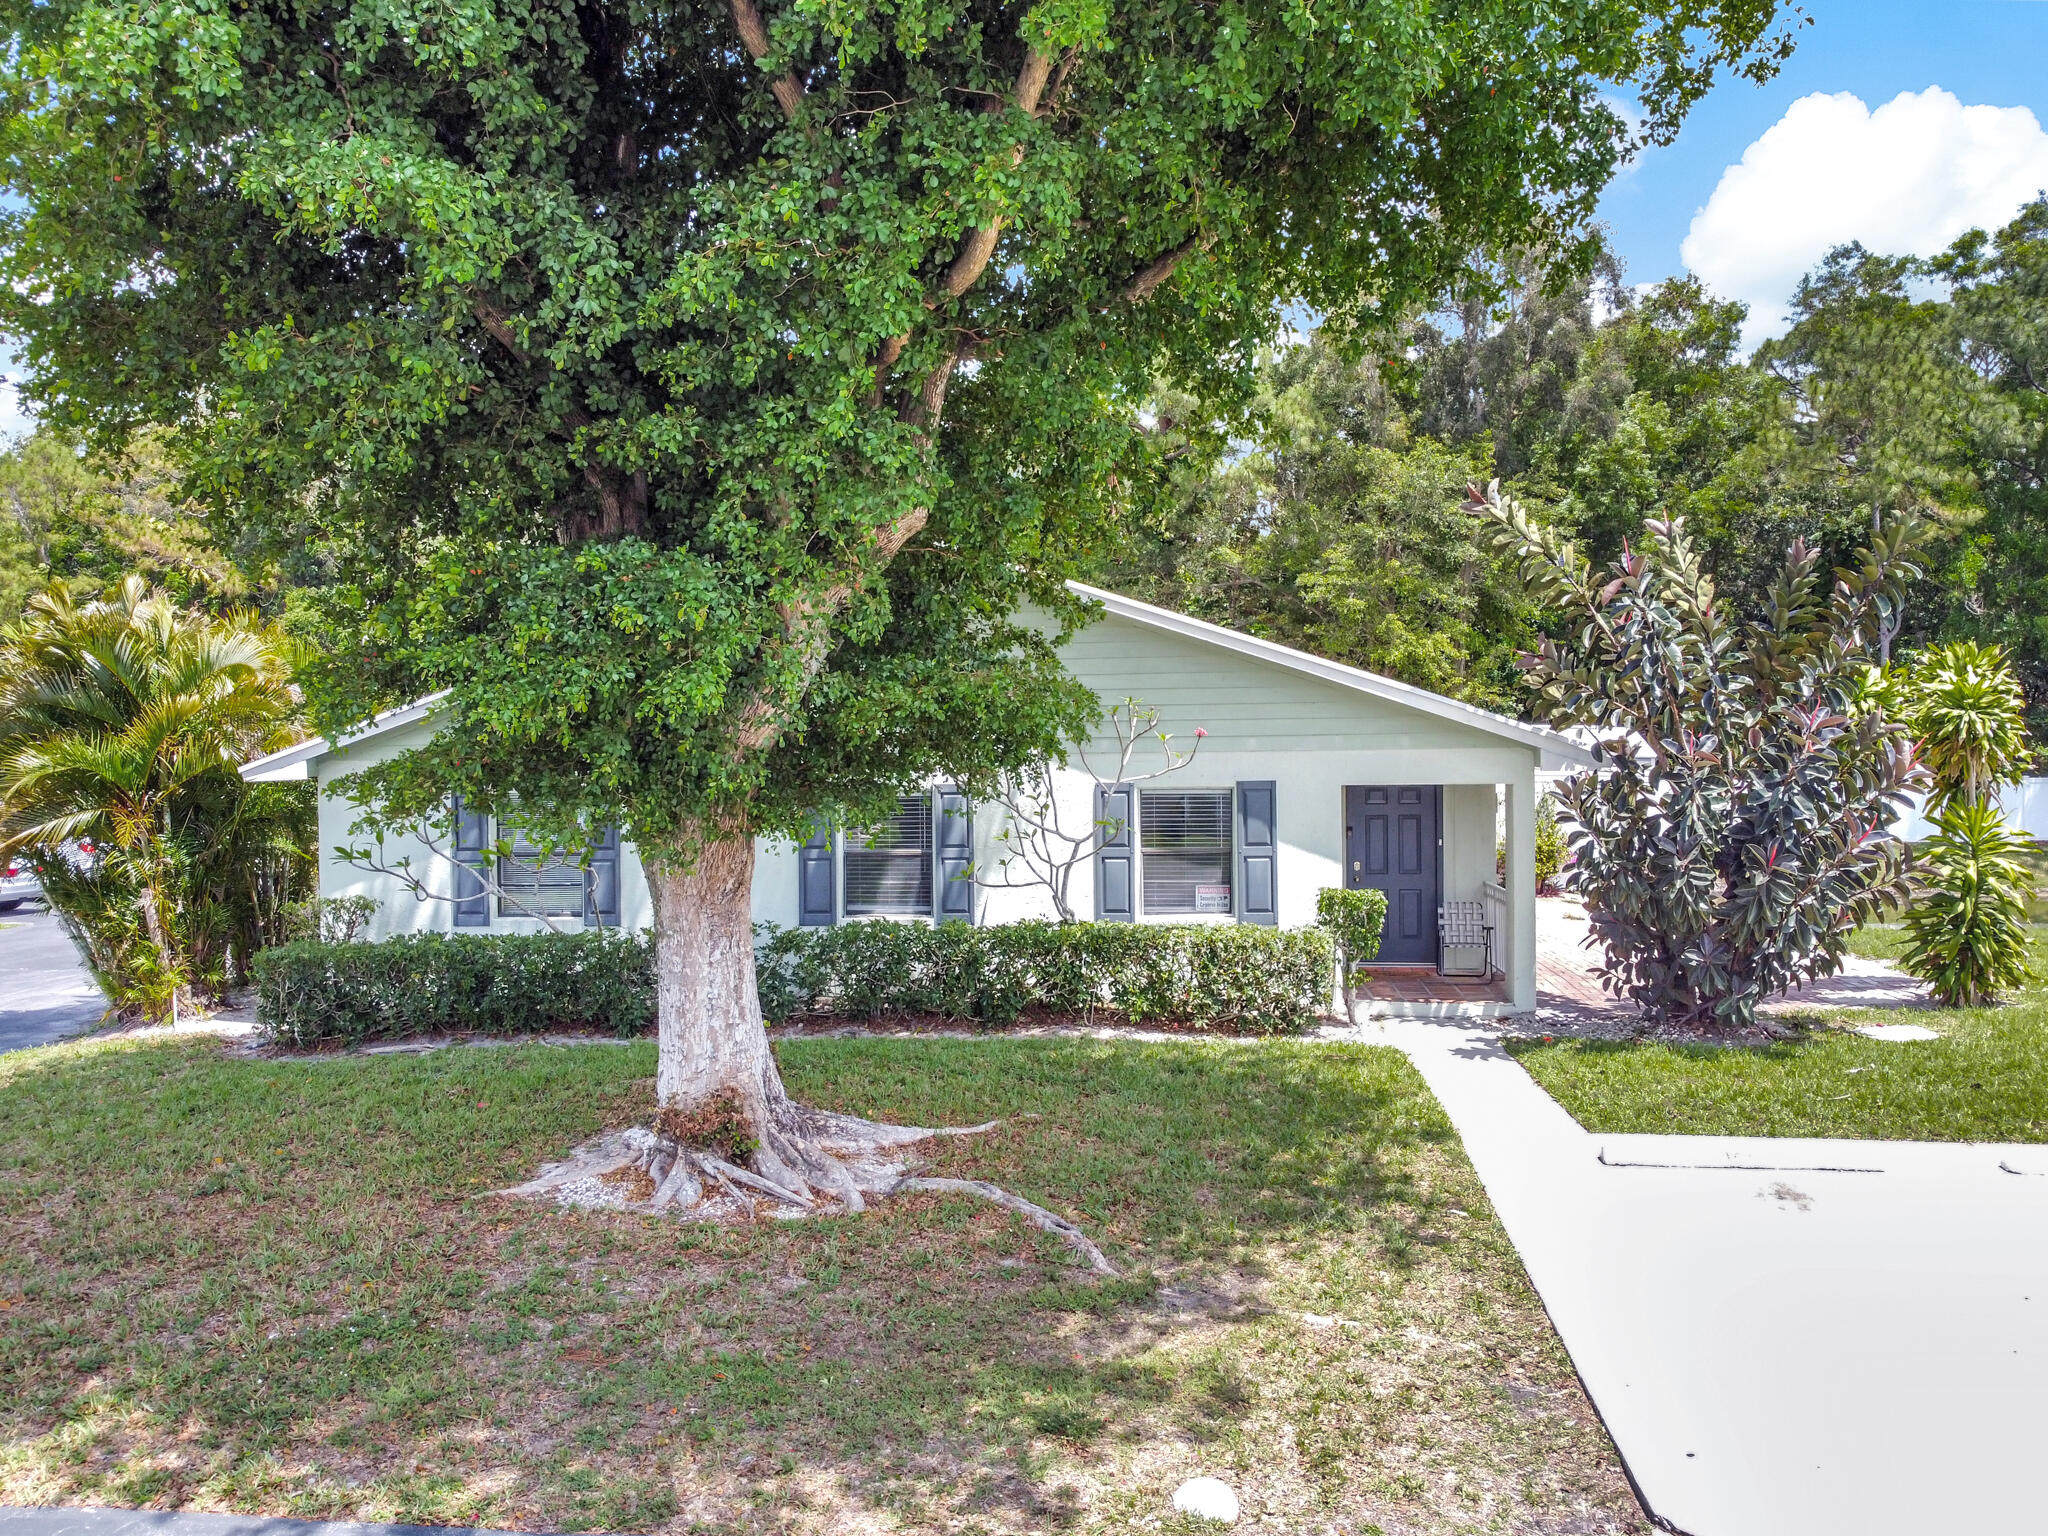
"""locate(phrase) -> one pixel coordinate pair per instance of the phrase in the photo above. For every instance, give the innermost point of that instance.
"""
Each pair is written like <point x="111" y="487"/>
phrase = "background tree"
<point x="122" y="723"/>
<point x="70" y="514"/>
<point x="695" y="393"/>
<point x="1339" y="533"/>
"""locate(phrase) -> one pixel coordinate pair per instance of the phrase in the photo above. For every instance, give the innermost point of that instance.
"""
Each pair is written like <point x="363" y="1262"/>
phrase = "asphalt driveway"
<point x="45" y="994"/>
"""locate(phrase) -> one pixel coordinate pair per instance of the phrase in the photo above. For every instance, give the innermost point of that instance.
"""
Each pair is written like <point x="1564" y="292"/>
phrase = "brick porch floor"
<point x="1564" y="970"/>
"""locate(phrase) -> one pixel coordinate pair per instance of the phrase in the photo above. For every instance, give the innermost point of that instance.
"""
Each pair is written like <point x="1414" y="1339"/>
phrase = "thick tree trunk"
<point x="726" y="1136"/>
<point x="712" y="1040"/>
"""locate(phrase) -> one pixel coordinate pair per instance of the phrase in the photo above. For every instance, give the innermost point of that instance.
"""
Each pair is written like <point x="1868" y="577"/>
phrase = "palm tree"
<point x="122" y="720"/>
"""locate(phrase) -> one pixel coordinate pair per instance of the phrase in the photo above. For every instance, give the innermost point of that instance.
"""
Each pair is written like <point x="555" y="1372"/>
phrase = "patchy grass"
<point x="273" y="1287"/>
<point x="1986" y="1079"/>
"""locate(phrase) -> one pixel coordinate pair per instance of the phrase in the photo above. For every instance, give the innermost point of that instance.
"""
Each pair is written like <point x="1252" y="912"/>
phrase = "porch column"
<point x="1521" y="880"/>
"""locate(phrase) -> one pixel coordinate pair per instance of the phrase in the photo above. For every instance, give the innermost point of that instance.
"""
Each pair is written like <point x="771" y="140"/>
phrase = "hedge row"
<point x="1215" y="976"/>
<point x="1255" y="980"/>
<point x="310" y="993"/>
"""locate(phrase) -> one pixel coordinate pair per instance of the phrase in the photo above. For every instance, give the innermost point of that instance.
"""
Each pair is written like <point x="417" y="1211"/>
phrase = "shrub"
<point x="1733" y="833"/>
<point x="1964" y="706"/>
<point x="1236" y="976"/>
<point x="493" y="984"/>
<point x="329" y="919"/>
<point x="1550" y="845"/>
<point x="1355" y="921"/>
<point x="1966" y="935"/>
<point x="122" y="720"/>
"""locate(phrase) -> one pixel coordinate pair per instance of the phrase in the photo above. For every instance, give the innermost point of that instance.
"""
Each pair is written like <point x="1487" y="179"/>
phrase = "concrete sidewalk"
<point x="1785" y="1338"/>
<point x="19" y="1521"/>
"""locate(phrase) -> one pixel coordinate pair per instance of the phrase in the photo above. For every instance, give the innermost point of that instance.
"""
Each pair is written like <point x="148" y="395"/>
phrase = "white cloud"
<point x="1905" y="179"/>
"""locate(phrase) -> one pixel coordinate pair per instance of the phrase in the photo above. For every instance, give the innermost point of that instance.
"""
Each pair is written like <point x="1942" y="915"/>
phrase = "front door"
<point x="1393" y="841"/>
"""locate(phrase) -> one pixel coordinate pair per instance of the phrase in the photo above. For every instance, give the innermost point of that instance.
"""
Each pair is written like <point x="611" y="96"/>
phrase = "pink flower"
<point x="1200" y="733"/>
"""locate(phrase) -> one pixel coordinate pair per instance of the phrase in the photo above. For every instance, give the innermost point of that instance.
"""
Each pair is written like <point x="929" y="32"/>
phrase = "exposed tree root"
<point x="1037" y="1215"/>
<point x="809" y="1162"/>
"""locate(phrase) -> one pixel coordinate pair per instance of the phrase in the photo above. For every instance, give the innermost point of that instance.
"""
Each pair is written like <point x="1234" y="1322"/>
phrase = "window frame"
<point x="506" y="903"/>
<point x="1226" y="795"/>
<point x="847" y="845"/>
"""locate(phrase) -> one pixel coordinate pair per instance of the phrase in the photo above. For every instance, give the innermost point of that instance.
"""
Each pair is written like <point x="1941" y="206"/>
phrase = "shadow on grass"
<point x="273" y="1285"/>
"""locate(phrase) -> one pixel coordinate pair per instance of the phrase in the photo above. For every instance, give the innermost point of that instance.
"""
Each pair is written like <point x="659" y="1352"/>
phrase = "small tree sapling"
<point x="1040" y="849"/>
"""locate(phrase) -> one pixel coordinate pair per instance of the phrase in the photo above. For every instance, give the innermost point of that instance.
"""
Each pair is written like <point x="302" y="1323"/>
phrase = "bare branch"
<point x="489" y="886"/>
<point x="1147" y="282"/>
<point x="1049" y="854"/>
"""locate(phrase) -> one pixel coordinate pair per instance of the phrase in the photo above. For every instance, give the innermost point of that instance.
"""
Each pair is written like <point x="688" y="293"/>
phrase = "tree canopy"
<point x="1902" y="387"/>
<point x="695" y="392"/>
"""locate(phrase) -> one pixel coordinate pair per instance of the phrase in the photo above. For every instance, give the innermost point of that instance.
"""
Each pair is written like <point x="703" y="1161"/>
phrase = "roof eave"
<point x="296" y="761"/>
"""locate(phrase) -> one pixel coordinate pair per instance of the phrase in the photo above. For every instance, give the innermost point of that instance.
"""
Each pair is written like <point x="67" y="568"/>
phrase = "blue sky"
<point x="1985" y="53"/>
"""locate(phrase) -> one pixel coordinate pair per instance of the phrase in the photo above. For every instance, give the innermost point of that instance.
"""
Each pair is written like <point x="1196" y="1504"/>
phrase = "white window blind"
<point x="529" y="884"/>
<point x="888" y="870"/>
<point x="1184" y="849"/>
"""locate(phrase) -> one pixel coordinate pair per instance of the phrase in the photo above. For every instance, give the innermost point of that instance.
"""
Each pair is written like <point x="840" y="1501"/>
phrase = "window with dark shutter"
<point x="888" y="870"/>
<point x="1184" y="850"/>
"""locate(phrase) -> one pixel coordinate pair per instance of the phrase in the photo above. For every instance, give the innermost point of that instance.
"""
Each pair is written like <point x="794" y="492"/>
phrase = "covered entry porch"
<point x="1456" y="862"/>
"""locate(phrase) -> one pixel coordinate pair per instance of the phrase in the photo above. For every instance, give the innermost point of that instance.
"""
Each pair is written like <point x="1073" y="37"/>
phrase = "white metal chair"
<point x="1464" y="925"/>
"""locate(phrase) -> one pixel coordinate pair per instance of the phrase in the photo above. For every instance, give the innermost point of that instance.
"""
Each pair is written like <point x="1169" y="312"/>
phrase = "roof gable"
<point x="1556" y="749"/>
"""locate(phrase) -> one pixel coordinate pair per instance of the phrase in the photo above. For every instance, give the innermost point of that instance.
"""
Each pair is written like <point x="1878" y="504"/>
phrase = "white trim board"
<point x="295" y="761"/>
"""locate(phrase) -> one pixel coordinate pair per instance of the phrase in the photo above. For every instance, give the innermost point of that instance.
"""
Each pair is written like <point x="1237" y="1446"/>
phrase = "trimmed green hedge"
<point x="1214" y="976"/>
<point x="1234" y="976"/>
<point x="310" y="993"/>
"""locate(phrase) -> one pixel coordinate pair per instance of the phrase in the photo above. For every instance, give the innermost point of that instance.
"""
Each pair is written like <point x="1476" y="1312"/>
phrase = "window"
<point x="888" y="871"/>
<point x="1184" y="850"/>
<point x="529" y="886"/>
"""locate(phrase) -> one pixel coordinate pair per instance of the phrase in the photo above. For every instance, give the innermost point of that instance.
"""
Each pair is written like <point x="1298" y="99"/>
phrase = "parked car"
<point x="18" y="883"/>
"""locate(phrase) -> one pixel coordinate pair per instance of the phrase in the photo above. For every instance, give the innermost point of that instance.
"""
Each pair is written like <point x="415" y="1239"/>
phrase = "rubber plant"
<point x="1734" y="831"/>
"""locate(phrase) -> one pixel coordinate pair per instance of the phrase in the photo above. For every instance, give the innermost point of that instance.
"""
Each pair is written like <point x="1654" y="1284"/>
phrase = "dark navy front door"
<point x="1393" y="841"/>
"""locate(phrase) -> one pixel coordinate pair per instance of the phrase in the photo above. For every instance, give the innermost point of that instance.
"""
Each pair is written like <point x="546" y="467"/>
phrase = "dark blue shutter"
<point x="1258" y="854"/>
<point x="1116" y="861"/>
<point x="954" y="842"/>
<point x="814" y="907"/>
<point x="472" y="844"/>
<point x="601" y="884"/>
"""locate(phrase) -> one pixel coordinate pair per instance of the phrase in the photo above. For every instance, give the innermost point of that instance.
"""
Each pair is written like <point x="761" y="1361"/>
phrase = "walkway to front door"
<point x="1393" y="841"/>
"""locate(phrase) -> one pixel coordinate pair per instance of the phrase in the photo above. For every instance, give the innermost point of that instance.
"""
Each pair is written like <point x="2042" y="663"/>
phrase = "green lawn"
<point x="1986" y="1079"/>
<point x="275" y="1287"/>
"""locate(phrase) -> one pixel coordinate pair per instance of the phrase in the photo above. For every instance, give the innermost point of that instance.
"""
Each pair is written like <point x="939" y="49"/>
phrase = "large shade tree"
<point x="695" y="392"/>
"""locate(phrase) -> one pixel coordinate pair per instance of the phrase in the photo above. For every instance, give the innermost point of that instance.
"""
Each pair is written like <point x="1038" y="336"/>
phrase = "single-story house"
<point x="1307" y="774"/>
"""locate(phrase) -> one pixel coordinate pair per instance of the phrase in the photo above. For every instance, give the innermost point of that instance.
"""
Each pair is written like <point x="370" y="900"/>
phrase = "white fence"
<point x="2025" y="806"/>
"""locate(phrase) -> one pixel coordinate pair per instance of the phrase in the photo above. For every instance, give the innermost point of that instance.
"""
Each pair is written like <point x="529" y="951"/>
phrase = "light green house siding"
<point x="1266" y="715"/>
